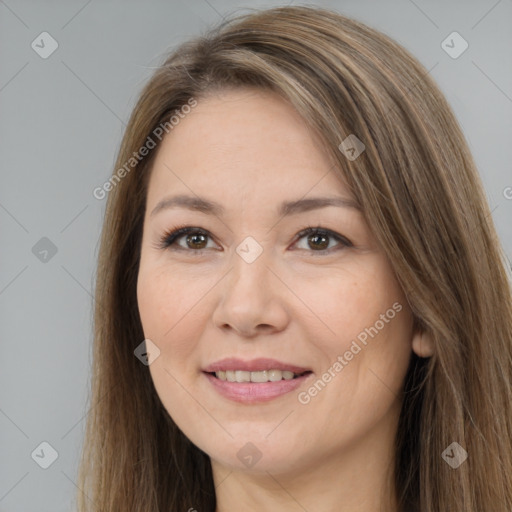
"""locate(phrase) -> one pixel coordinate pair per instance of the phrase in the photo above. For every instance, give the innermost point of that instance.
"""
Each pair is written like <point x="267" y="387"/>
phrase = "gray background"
<point x="61" y="122"/>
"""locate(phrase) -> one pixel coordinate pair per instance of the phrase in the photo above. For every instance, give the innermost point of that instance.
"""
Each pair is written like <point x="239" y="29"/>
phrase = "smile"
<point x="259" y="376"/>
<point x="251" y="392"/>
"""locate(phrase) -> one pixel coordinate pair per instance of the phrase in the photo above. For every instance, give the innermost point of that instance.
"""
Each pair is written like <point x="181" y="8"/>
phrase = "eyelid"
<point x="343" y="240"/>
<point x="169" y="238"/>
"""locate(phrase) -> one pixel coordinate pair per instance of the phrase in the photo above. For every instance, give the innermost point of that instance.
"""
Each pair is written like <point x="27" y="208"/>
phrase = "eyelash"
<point x="169" y="238"/>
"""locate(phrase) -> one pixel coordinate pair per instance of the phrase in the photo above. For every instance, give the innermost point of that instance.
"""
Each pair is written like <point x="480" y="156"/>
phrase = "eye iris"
<point x="316" y="237"/>
<point x="194" y="236"/>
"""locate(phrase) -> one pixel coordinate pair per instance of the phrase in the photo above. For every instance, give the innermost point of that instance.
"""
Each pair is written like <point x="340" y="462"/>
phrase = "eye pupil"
<point x="315" y="239"/>
<point x="194" y="237"/>
<point x="196" y="240"/>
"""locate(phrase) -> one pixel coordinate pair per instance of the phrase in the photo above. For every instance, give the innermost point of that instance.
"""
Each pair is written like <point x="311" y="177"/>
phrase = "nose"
<point x="252" y="299"/>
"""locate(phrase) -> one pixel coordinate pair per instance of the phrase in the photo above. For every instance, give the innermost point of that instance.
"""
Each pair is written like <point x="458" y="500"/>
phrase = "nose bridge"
<point x="251" y="266"/>
<point x="250" y="250"/>
<point x="248" y="296"/>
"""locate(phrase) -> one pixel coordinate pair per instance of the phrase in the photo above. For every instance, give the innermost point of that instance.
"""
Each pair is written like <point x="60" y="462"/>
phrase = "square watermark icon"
<point x="454" y="45"/>
<point x="454" y="455"/>
<point x="351" y="147"/>
<point x="249" y="249"/>
<point x="44" y="45"/>
<point x="249" y="454"/>
<point x="44" y="250"/>
<point x="44" y="455"/>
<point x="146" y="352"/>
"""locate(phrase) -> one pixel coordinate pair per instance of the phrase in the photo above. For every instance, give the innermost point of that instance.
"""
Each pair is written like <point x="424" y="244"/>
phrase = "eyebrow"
<point x="201" y="204"/>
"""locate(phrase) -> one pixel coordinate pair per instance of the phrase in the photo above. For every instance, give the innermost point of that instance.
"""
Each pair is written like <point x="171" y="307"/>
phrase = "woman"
<point x="301" y="300"/>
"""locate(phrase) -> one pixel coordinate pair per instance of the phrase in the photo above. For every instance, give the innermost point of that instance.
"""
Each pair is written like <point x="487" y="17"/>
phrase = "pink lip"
<point x="254" y="365"/>
<point x="252" y="392"/>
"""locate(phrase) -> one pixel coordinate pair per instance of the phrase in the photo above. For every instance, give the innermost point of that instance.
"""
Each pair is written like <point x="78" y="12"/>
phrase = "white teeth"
<point x="241" y="376"/>
<point x="263" y="376"/>
<point x="259" y="376"/>
<point x="275" y="375"/>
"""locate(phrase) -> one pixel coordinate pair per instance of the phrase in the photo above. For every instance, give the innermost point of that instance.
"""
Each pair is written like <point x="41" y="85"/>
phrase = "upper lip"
<point x="254" y="365"/>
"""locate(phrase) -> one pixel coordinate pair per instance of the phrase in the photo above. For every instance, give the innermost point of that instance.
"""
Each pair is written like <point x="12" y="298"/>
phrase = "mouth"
<point x="256" y="380"/>
<point x="263" y="376"/>
<point x="239" y="386"/>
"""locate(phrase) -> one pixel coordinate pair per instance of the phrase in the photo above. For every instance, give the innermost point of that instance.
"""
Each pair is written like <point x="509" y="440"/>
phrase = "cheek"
<point x="168" y="311"/>
<point x="362" y="388"/>
<point x="369" y="324"/>
<point x="353" y="299"/>
<point x="170" y="320"/>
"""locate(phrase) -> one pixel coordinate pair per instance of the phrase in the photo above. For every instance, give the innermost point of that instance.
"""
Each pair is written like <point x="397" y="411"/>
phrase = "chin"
<point x="257" y="454"/>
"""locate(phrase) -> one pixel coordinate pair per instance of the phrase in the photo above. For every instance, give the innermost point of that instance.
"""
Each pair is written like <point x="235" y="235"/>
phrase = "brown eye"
<point x="195" y="241"/>
<point x="318" y="240"/>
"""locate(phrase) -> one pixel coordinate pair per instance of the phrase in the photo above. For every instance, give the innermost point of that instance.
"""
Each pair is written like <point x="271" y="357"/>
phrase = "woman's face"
<point x="250" y="286"/>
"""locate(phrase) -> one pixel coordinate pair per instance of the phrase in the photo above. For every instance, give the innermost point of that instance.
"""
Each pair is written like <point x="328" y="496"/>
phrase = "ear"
<point x="422" y="344"/>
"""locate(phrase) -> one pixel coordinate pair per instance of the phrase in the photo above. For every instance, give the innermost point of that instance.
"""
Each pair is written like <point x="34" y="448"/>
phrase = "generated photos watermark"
<point x="158" y="133"/>
<point x="343" y="360"/>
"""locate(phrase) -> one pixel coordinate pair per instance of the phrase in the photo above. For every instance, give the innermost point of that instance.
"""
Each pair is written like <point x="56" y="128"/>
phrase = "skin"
<point x="249" y="150"/>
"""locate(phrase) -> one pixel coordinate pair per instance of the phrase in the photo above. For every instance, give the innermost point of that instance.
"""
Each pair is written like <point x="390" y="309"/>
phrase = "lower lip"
<point x="252" y="392"/>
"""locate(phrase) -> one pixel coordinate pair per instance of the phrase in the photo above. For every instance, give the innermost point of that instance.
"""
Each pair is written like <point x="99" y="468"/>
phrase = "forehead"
<point x="243" y="141"/>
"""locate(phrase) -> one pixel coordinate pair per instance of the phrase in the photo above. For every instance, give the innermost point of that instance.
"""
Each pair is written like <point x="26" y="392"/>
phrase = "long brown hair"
<point x="419" y="188"/>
